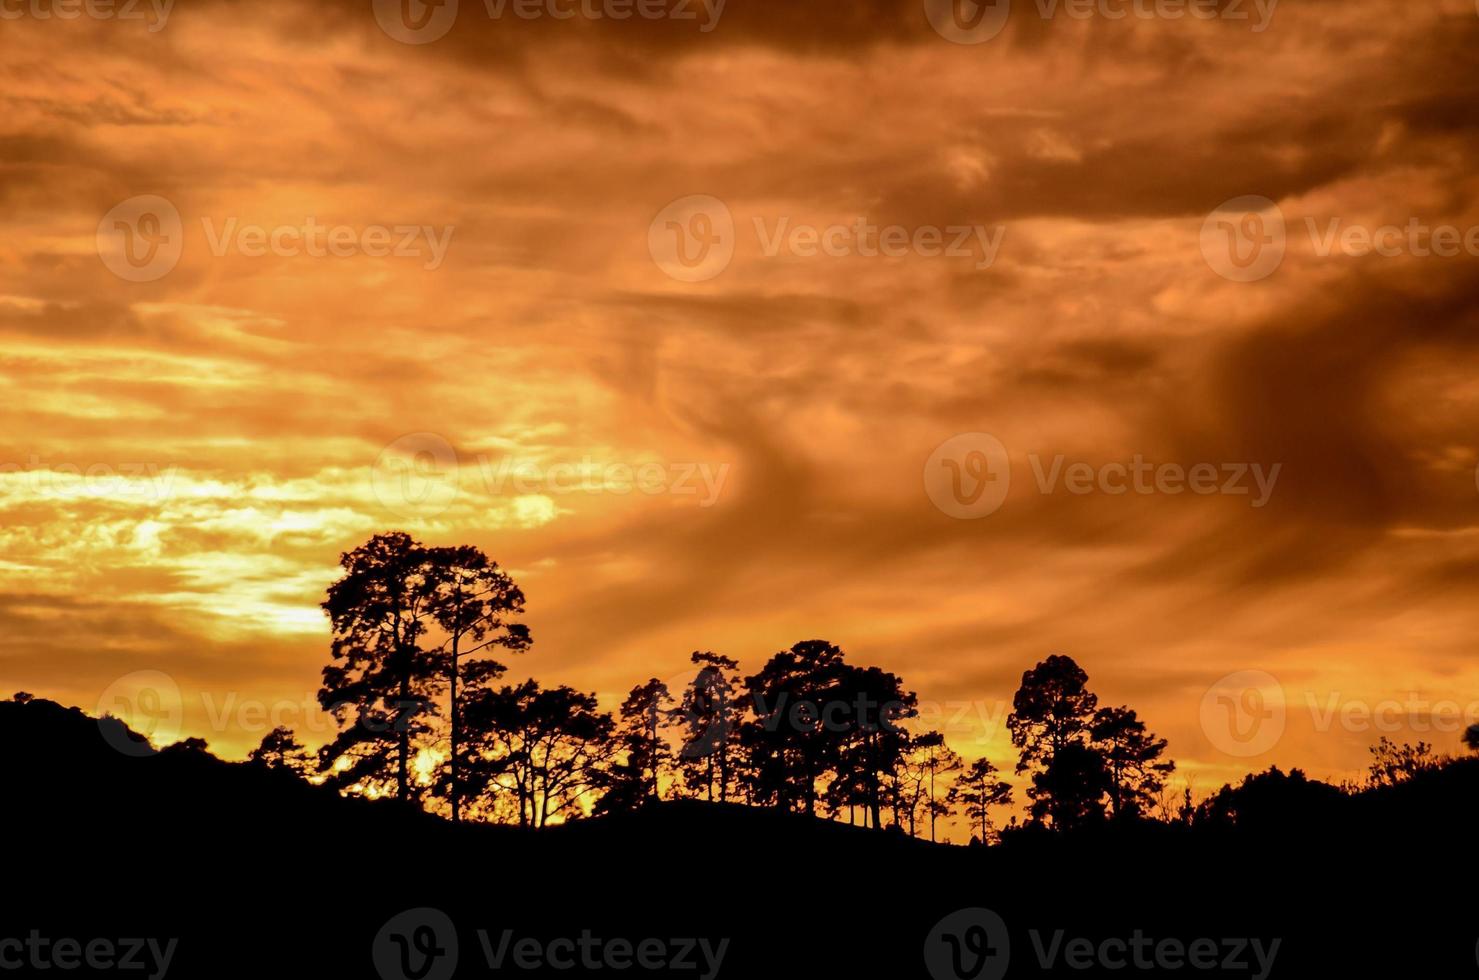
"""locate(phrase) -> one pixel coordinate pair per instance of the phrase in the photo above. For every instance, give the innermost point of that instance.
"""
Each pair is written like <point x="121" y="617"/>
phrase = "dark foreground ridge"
<point x="187" y="866"/>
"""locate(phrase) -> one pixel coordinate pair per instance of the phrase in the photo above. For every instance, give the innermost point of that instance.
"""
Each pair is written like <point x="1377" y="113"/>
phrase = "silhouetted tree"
<point x="861" y="716"/>
<point x="472" y="601"/>
<point x="848" y="791"/>
<point x="1051" y="711"/>
<point x="381" y="682"/>
<point x="1471" y="735"/>
<point x="1132" y="759"/>
<point x="907" y="791"/>
<point x="546" y="746"/>
<point x="787" y="745"/>
<point x="1186" y="811"/>
<point x="709" y="715"/>
<point x="928" y="760"/>
<point x="1273" y="802"/>
<point x="942" y="760"/>
<point x="977" y="790"/>
<point x="1052" y="708"/>
<point x="21" y="697"/>
<point x="1392" y="763"/>
<point x="280" y="749"/>
<point x="636" y="779"/>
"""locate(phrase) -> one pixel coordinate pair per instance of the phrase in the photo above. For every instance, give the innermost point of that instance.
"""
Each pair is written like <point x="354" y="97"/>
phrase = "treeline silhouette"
<point x="416" y="687"/>
<point x="426" y="718"/>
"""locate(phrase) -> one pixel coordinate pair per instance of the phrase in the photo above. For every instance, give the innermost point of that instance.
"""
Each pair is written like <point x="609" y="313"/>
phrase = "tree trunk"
<point x="652" y="750"/>
<point x="874" y="791"/>
<point x="932" y="804"/>
<point x="808" y="793"/>
<point x="724" y="748"/>
<point x="403" y="782"/>
<point x="456" y="789"/>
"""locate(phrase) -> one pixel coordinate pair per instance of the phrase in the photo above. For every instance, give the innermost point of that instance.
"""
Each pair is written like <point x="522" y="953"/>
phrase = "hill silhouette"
<point x="256" y="872"/>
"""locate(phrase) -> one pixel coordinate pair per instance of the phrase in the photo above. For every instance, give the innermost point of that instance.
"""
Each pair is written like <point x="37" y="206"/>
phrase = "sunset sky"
<point x="247" y="417"/>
